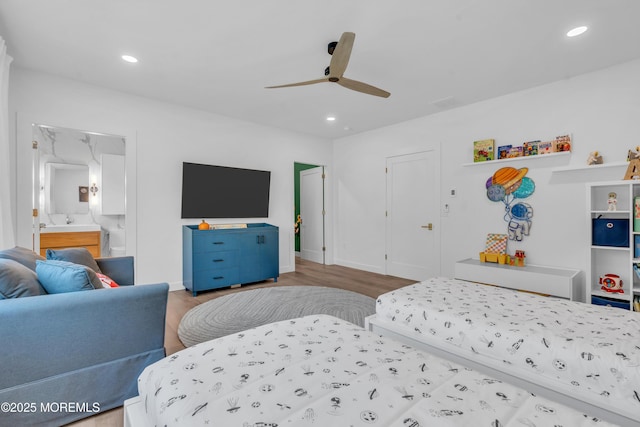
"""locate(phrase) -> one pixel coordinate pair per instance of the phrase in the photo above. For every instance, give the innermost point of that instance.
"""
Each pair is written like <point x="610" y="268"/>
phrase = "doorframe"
<point x="435" y="148"/>
<point x="25" y="179"/>
<point x="323" y="213"/>
<point x="328" y="217"/>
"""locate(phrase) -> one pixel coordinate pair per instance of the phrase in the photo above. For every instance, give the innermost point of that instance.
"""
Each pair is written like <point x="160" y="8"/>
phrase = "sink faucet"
<point x="68" y="219"/>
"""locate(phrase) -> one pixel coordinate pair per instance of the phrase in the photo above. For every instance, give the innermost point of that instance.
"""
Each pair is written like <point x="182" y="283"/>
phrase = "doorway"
<point x="79" y="184"/>
<point x="310" y="212"/>
<point x="412" y="221"/>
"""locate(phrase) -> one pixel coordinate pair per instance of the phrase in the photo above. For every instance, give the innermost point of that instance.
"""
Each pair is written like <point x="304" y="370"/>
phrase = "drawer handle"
<point x="218" y="277"/>
<point x="218" y="260"/>
<point x="218" y="243"/>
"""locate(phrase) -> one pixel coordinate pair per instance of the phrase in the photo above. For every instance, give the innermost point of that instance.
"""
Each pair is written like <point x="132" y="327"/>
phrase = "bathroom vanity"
<point x="71" y="236"/>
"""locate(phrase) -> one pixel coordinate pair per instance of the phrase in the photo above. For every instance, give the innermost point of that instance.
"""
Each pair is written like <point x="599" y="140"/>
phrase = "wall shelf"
<point x="522" y="158"/>
<point x="568" y="169"/>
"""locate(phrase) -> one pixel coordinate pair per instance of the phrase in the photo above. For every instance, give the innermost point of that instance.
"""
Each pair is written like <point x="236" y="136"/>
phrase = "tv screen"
<point x="210" y="191"/>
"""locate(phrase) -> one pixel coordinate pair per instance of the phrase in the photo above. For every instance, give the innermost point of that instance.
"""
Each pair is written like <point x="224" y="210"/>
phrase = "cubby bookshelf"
<point x="612" y="257"/>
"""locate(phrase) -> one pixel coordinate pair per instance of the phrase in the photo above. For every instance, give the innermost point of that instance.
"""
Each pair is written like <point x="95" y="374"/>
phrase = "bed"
<point x="322" y="371"/>
<point x="582" y="355"/>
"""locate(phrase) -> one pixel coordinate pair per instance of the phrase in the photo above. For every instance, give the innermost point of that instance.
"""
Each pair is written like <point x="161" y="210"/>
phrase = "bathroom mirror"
<point x="66" y="188"/>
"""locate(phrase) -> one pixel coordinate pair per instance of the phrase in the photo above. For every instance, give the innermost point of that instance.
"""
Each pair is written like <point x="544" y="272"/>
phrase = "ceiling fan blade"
<point x="309" y="82"/>
<point x="362" y="87"/>
<point x="341" y="55"/>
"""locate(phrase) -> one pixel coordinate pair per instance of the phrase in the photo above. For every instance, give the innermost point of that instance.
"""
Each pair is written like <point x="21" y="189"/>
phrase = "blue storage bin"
<point x="610" y="302"/>
<point x="610" y="232"/>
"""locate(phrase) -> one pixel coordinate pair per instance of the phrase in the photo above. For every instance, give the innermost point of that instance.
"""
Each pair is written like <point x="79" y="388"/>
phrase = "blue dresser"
<point x="213" y="259"/>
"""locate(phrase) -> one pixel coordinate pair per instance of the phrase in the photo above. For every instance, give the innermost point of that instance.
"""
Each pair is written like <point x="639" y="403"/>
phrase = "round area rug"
<point x="236" y="312"/>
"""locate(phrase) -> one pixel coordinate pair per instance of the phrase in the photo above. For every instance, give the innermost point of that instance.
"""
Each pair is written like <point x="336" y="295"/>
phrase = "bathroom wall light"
<point x="93" y="189"/>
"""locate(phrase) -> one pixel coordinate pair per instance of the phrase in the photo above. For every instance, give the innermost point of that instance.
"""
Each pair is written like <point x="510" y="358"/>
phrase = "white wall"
<point x="599" y="109"/>
<point x="165" y="135"/>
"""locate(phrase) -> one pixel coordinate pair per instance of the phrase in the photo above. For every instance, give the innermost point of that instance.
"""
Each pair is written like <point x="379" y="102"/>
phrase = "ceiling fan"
<point x="341" y="51"/>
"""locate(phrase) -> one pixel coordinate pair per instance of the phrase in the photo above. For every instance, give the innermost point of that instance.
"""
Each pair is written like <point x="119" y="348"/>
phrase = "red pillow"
<point x="107" y="281"/>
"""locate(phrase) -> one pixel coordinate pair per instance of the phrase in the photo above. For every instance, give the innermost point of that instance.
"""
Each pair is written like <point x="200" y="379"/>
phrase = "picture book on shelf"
<point x="562" y="143"/>
<point x="530" y="148"/>
<point x="515" y="152"/>
<point x="503" y="151"/>
<point x="483" y="150"/>
<point x="545" y="147"/>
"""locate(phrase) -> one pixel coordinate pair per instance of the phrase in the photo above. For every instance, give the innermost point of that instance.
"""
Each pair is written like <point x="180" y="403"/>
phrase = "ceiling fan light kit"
<point x="340" y="52"/>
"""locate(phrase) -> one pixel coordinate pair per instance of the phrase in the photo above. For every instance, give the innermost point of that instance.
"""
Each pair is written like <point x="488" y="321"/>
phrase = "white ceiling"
<point x="218" y="56"/>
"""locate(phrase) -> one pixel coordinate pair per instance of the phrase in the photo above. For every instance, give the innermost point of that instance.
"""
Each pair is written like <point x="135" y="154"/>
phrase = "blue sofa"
<point x="70" y="355"/>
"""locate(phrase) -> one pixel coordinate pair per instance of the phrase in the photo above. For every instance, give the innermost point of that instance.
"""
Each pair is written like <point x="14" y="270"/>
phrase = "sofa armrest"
<point x="120" y="269"/>
<point x="48" y="335"/>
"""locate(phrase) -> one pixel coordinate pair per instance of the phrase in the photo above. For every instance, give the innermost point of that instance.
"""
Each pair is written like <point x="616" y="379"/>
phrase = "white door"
<point x="413" y="235"/>
<point x="312" y="214"/>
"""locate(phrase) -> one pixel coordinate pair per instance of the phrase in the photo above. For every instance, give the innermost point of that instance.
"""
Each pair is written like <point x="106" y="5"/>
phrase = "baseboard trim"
<point x="358" y="266"/>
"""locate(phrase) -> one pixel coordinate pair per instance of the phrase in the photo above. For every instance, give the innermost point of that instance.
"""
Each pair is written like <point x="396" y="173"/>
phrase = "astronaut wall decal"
<point x="507" y="185"/>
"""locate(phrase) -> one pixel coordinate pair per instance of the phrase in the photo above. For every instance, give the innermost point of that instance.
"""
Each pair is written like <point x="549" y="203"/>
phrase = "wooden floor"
<point x="307" y="273"/>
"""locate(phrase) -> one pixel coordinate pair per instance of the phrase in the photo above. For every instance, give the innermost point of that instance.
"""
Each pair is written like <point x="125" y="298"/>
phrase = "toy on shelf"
<point x="633" y="154"/>
<point x="612" y="202"/>
<point x="518" y="259"/>
<point x="495" y="249"/>
<point x="595" y="158"/>
<point x="611" y="283"/>
<point x="633" y="170"/>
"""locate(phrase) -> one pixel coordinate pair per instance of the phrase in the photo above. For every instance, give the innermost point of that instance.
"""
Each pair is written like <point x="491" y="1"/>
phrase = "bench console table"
<point x="554" y="281"/>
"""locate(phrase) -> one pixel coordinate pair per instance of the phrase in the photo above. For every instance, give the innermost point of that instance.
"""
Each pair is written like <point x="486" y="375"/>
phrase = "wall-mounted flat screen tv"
<point x="210" y="191"/>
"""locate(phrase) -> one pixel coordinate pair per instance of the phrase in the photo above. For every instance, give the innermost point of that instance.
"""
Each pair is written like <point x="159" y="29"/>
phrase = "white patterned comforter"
<point x="588" y="349"/>
<point x="323" y="371"/>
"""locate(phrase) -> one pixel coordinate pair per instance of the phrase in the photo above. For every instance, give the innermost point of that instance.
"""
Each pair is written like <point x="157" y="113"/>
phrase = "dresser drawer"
<point x="214" y="242"/>
<point x="215" y="278"/>
<point x="215" y="260"/>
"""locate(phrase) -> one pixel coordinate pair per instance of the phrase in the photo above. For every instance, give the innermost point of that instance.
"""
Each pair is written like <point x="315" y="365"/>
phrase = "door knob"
<point x="428" y="226"/>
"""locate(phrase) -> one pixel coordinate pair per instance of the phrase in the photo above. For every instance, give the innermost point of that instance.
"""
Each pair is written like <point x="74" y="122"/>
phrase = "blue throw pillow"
<point x="16" y="280"/>
<point x="59" y="277"/>
<point x="80" y="256"/>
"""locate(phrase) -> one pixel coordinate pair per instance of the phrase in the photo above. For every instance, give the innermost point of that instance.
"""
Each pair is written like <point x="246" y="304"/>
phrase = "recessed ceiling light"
<point x="129" y="58"/>
<point x="576" y="31"/>
<point x="331" y="118"/>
